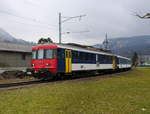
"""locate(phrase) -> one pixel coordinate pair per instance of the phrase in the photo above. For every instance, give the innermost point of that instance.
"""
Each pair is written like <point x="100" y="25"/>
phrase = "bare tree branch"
<point x="146" y="16"/>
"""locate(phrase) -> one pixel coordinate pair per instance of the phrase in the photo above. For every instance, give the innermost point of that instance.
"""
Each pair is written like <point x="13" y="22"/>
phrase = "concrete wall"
<point x="15" y="59"/>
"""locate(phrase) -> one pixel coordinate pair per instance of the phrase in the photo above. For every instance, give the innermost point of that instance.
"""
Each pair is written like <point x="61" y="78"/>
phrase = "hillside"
<point x="126" y="46"/>
<point x="6" y="37"/>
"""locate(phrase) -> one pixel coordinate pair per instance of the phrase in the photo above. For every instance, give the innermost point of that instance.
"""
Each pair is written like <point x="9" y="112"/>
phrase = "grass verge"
<point x="127" y="93"/>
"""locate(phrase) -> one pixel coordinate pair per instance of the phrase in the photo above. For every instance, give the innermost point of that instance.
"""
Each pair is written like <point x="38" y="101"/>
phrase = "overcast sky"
<point x="33" y="19"/>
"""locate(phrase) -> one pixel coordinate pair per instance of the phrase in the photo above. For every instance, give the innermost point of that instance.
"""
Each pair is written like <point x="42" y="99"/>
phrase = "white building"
<point x="144" y="59"/>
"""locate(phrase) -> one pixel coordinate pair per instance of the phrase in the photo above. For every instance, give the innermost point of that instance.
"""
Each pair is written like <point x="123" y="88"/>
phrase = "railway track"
<point x="18" y="85"/>
<point x="25" y="84"/>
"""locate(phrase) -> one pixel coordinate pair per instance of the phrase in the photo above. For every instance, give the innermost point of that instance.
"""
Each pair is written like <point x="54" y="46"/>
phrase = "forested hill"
<point x="126" y="46"/>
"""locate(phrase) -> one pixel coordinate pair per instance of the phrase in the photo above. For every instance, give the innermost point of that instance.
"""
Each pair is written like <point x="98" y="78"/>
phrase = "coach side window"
<point x="102" y="57"/>
<point x="81" y="55"/>
<point x="93" y="57"/>
<point x="122" y="61"/>
<point x="75" y="55"/>
<point x="99" y="58"/>
<point x="110" y="59"/>
<point x="87" y="56"/>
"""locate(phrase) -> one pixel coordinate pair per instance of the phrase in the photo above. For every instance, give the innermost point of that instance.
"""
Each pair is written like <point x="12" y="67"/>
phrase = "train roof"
<point x="90" y="50"/>
<point x="122" y="57"/>
<point x="81" y="48"/>
<point x="72" y="47"/>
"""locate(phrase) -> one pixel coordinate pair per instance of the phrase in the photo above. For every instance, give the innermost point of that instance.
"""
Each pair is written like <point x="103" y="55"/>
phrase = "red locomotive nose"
<point x="50" y="64"/>
<point x="44" y="57"/>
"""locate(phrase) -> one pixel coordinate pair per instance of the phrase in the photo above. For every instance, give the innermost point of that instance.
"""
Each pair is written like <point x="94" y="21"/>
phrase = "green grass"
<point x="127" y="93"/>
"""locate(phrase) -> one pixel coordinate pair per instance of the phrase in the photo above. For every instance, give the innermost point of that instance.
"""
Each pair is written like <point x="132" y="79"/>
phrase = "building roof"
<point x="14" y="47"/>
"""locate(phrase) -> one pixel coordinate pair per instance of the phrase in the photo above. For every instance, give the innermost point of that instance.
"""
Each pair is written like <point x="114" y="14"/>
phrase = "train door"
<point x="68" y="61"/>
<point x="114" y="63"/>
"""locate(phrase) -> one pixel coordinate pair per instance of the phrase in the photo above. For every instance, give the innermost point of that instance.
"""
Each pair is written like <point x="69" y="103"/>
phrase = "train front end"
<point x="44" y="61"/>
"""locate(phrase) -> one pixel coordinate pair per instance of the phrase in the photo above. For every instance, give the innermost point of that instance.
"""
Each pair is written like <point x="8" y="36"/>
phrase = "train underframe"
<point x="45" y="74"/>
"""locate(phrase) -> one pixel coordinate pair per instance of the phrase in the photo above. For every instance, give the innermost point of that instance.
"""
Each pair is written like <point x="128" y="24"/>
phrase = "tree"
<point x="49" y="40"/>
<point x="40" y="41"/>
<point x="135" y="59"/>
<point x="45" y="40"/>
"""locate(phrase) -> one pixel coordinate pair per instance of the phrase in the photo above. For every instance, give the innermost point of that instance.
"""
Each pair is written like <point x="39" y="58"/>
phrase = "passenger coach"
<point x="56" y="59"/>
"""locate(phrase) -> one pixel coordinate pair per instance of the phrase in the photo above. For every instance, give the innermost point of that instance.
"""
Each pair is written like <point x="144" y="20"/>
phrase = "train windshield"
<point x="49" y="54"/>
<point x="34" y="54"/>
<point x="40" y="54"/>
<point x="43" y="54"/>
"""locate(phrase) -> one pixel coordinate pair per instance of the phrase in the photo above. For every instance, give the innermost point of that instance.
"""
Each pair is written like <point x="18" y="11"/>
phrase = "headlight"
<point x="47" y="64"/>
